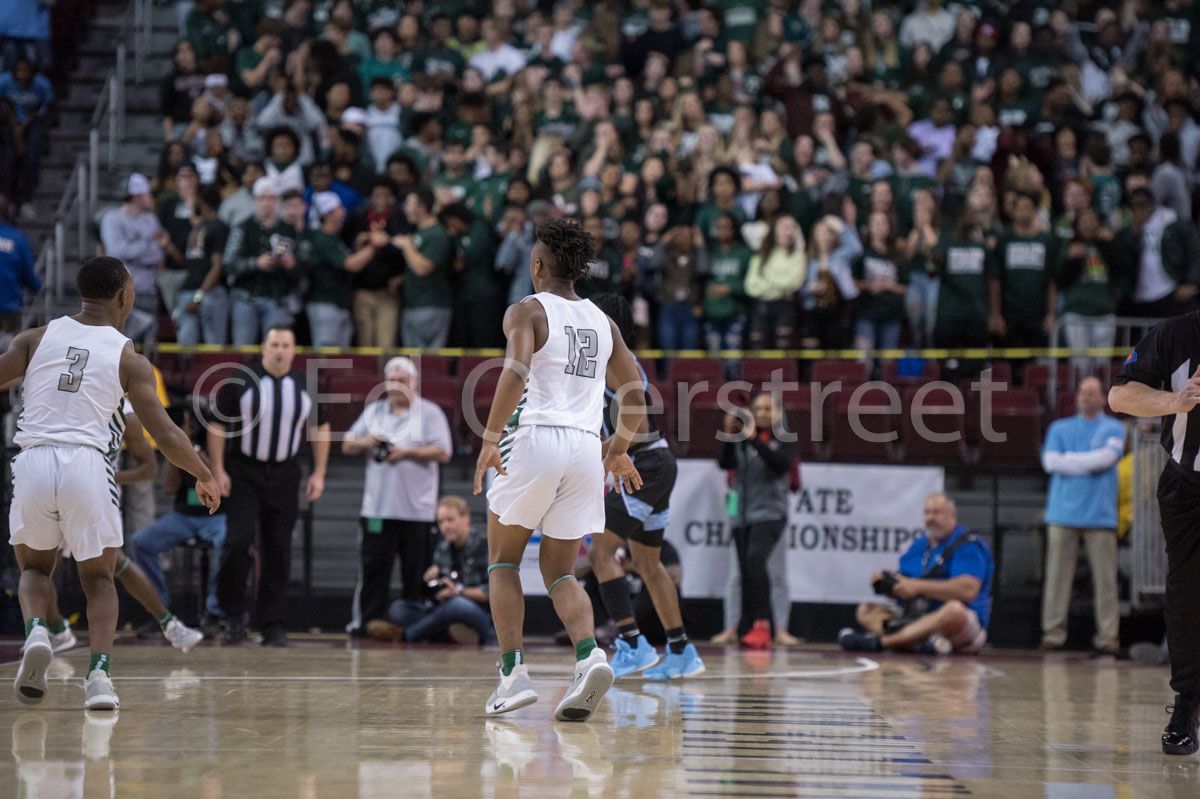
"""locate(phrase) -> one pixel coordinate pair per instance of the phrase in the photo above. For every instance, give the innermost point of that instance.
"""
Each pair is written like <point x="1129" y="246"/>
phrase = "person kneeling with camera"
<point x="455" y="606"/>
<point x="942" y="592"/>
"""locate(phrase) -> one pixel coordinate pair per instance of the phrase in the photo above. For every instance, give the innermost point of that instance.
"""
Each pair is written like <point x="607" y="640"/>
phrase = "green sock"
<point x="58" y="626"/>
<point x="584" y="648"/>
<point x="164" y="619"/>
<point x="34" y="622"/>
<point x="510" y="660"/>
<point x="100" y="660"/>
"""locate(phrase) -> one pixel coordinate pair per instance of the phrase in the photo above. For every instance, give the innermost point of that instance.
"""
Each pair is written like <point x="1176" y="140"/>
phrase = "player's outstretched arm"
<point x="16" y="358"/>
<point x="624" y="378"/>
<point x="519" y="330"/>
<point x="1139" y="399"/>
<point x="137" y="377"/>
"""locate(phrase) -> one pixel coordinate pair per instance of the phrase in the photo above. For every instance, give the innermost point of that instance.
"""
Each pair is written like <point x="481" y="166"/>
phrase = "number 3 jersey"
<point x="566" y="380"/>
<point x="72" y="390"/>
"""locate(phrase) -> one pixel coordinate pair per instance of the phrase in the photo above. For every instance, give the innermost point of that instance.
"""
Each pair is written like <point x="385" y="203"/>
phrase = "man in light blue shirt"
<point x="1080" y="455"/>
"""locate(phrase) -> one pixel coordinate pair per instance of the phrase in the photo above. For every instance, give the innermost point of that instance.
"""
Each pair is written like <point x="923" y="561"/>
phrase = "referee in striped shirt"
<point x="1162" y="378"/>
<point x="253" y="453"/>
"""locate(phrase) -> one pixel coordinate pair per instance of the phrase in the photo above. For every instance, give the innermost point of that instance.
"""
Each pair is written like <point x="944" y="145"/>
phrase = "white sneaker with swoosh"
<point x="514" y="691"/>
<point x="593" y="678"/>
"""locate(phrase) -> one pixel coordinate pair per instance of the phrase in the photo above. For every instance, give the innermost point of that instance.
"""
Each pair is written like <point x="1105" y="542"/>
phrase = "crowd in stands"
<point x="755" y="173"/>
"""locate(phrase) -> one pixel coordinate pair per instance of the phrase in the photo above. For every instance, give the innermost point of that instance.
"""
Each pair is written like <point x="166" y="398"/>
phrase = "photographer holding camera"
<point x="943" y="590"/>
<point x="456" y="588"/>
<point x="403" y="438"/>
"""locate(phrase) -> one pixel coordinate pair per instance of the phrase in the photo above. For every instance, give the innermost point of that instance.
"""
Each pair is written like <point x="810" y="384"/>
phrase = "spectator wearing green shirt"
<point x="254" y="63"/>
<point x="725" y="290"/>
<point x="329" y="264"/>
<point x="965" y="266"/>
<point x="479" y="312"/>
<point x="724" y="185"/>
<point x="383" y="62"/>
<point x="428" y="298"/>
<point x="1023" y="293"/>
<point x="260" y="262"/>
<point x="882" y="279"/>
<point x="455" y="181"/>
<point x="211" y="32"/>
<point x="1095" y="278"/>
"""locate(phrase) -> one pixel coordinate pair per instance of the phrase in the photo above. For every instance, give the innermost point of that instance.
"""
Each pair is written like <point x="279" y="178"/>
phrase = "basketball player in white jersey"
<point x="543" y="439"/>
<point x="77" y="371"/>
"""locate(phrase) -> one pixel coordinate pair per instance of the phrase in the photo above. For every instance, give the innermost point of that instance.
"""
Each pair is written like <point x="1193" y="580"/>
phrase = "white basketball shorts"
<point x="555" y="482"/>
<point x="65" y="496"/>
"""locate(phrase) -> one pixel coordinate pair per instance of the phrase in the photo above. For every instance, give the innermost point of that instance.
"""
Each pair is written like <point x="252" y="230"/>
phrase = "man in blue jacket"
<point x="16" y="275"/>
<point x="943" y="592"/>
<point x="1080" y="455"/>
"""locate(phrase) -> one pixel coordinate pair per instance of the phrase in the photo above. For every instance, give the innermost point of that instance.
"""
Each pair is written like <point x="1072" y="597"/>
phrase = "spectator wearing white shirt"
<point x="382" y="126"/>
<point x="500" y="59"/>
<point x="932" y="24"/>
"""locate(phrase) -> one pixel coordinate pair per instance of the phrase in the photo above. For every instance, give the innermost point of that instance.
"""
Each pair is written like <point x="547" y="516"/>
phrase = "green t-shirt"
<point x="886" y="305"/>
<point x="208" y="37"/>
<point x="494" y="186"/>
<point x="741" y="18"/>
<point x="1026" y="265"/>
<point x="444" y="59"/>
<point x="323" y="257"/>
<point x="903" y="187"/>
<point x="727" y="266"/>
<point x="372" y="68"/>
<point x="461" y="184"/>
<point x="247" y="58"/>
<point x="963" y="293"/>
<point x="477" y="280"/>
<point x="564" y="124"/>
<point x="1022" y="112"/>
<point x="604" y="275"/>
<point x="432" y="290"/>
<point x="709" y="213"/>
<point x="1091" y="290"/>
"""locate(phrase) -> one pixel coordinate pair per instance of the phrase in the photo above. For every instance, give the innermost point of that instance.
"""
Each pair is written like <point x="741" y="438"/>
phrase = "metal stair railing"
<point x="80" y="197"/>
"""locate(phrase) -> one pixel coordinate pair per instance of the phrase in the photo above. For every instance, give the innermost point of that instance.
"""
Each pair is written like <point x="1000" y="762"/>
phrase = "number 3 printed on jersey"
<point x="582" y="350"/>
<point x="74" y="375"/>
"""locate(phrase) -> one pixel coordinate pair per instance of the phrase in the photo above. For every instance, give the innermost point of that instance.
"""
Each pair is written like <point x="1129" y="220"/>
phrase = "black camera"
<point x="444" y="579"/>
<point x="886" y="584"/>
<point x="382" y="451"/>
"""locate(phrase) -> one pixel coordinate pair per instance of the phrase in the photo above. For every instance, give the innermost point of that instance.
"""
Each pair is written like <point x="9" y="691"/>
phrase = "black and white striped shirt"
<point x="266" y="416"/>
<point x="1164" y="359"/>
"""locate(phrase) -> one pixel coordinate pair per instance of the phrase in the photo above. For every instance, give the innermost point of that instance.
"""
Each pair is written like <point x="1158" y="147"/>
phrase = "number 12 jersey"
<point x="565" y="387"/>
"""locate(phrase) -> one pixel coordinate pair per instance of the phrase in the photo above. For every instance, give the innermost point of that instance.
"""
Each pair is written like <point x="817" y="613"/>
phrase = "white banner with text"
<point x="845" y="523"/>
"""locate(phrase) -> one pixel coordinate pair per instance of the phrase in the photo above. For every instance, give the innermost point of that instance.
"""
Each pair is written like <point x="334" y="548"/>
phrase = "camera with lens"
<point x="443" y="579"/>
<point x="886" y="584"/>
<point x="382" y="451"/>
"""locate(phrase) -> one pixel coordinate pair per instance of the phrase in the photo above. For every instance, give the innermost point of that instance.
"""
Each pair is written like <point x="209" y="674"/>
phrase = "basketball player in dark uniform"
<point x="640" y="517"/>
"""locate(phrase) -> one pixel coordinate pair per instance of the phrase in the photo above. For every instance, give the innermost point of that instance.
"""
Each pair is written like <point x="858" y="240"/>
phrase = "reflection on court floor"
<point x="324" y="719"/>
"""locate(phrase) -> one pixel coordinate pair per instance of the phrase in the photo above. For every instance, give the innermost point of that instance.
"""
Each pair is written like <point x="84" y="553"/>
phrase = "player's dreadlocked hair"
<point x="571" y="247"/>
<point x="620" y="311"/>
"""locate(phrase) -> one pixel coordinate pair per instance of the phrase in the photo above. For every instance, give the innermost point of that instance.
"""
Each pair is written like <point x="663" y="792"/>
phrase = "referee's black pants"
<point x="1179" y="505"/>
<point x="264" y="498"/>
<point x="382" y="541"/>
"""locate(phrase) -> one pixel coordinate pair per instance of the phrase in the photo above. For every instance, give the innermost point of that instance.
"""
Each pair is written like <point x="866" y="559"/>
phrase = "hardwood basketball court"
<point x="327" y="719"/>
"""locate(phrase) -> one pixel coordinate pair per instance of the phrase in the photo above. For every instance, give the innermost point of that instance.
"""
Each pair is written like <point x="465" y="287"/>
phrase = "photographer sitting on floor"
<point x="456" y="588"/>
<point x="943" y="590"/>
